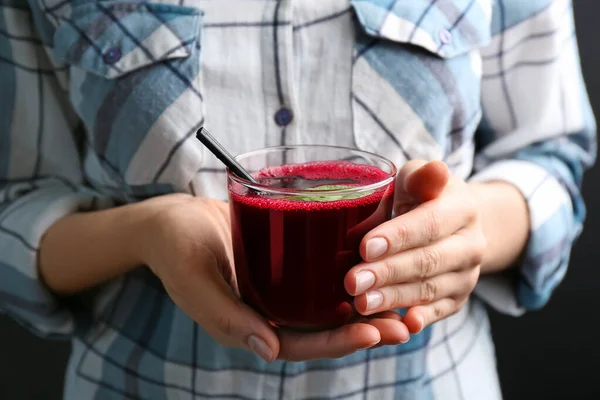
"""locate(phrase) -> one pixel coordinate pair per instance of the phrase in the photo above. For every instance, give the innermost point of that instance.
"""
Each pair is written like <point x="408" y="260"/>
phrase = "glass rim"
<point x="296" y="192"/>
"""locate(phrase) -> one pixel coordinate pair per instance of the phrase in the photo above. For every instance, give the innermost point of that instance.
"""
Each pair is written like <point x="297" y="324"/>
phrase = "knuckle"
<point x="476" y="257"/>
<point x="470" y="207"/>
<point x="428" y="262"/>
<point x="389" y="271"/>
<point x="224" y="325"/>
<point x="478" y="246"/>
<point x="433" y="226"/>
<point x="428" y="291"/>
<point x="438" y="312"/>
<point x="396" y="299"/>
<point x="400" y="234"/>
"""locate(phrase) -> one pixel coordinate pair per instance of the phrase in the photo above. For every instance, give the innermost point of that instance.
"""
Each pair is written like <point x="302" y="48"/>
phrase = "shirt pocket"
<point x="111" y="39"/>
<point x="416" y="78"/>
<point x="135" y="83"/>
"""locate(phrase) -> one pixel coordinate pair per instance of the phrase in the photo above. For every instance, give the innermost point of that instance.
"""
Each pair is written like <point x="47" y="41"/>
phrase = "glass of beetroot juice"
<point x="297" y="229"/>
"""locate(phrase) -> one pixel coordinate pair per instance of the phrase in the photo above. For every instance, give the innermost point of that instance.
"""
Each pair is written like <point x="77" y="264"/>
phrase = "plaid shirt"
<point x="99" y="104"/>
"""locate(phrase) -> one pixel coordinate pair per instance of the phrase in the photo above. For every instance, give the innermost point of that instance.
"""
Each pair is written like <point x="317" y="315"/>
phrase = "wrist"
<point x="504" y="216"/>
<point x="130" y="225"/>
<point x="153" y="223"/>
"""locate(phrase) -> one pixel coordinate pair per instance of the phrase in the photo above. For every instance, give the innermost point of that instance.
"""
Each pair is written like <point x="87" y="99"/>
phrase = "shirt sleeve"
<point x="41" y="178"/>
<point x="538" y="133"/>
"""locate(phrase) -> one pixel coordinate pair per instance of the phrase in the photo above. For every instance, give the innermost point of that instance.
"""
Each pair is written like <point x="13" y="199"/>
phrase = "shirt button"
<point x="445" y="36"/>
<point x="284" y="116"/>
<point x="112" y="55"/>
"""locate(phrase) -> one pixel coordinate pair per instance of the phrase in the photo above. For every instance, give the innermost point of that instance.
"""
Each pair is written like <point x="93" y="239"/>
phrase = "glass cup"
<point x="297" y="231"/>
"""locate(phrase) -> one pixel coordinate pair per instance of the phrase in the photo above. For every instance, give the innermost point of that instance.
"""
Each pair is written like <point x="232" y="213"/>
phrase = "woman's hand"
<point x="428" y="258"/>
<point x="186" y="242"/>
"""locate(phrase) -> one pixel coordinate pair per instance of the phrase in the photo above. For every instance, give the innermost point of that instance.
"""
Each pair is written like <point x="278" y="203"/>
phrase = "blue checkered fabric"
<point x="99" y="102"/>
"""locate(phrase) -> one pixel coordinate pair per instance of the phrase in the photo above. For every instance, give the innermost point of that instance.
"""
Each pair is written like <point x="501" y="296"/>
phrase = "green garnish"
<point x="336" y="197"/>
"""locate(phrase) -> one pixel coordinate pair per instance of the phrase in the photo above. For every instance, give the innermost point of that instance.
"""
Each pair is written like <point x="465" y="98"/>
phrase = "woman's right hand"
<point x="186" y="242"/>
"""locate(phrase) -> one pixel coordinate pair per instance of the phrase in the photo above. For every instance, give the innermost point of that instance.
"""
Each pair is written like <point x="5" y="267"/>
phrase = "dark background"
<point x="550" y="354"/>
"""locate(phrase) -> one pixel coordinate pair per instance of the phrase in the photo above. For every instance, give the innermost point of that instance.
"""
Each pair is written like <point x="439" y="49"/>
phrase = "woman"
<point x="113" y="226"/>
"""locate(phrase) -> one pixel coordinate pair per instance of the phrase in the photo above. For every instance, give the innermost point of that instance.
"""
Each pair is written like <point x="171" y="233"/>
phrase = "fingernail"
<point x="374" y="300"/>
<point x="364" y="281"/>
<point x="376" y="247"/>
<point x="260" y="347"/>
<point x="370" y="345"/>
<point x="406" y="341"/>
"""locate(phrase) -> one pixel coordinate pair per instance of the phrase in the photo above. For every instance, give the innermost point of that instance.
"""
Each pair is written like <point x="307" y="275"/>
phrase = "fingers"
<point x="388" y="315"/>
<point x="383" y="329"/>
<point x="417" y="318"/>
<point x="391" y="328"/>
<point x="420" y="226"/>
<point x="233" y="323"/>
<point x="301" y="346"/>
<point x="449" y="285"/>
<point x="204" y="295"/>
<point x="455" y="253"/>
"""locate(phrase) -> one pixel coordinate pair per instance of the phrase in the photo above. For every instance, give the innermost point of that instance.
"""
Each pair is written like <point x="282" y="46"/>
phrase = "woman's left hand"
<point x="428" y="258"/>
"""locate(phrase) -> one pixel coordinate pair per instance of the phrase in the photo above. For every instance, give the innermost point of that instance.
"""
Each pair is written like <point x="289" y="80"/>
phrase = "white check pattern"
<point x="99" y="102"/>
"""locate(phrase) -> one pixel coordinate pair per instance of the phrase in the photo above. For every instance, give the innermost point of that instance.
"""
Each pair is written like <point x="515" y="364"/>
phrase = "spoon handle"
<point x="222" y="154"/>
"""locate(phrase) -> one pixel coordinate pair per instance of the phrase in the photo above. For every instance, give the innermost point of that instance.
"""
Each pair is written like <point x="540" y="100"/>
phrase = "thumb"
<point x="419" y="181"/>
<point x="202" y="292"/>
<point x="233" y="323"/>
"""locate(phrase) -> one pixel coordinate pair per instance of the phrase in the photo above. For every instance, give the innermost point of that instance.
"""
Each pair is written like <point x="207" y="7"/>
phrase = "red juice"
<point x="293" y="252"/>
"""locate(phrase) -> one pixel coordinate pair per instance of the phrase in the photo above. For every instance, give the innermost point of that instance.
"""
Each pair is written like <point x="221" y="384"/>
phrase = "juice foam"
<point x="361" y="174"/>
